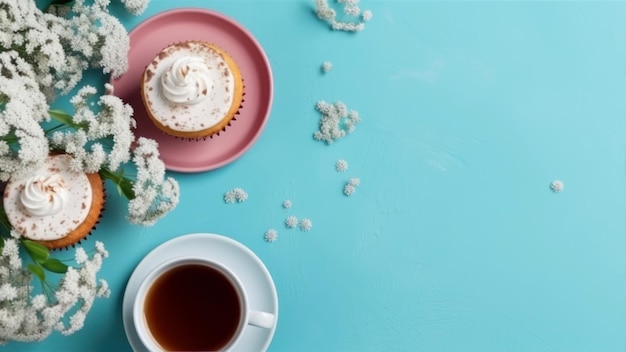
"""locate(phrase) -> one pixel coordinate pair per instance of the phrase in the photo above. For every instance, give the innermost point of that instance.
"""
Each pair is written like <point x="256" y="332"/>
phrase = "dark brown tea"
<point x="192" y="307"/>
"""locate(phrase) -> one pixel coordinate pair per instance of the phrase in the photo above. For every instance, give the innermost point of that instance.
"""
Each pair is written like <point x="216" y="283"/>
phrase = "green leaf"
<point x="61" y="116"/>
<point x="125" y="187"/>
<point x="123" y="183"/>
<point x="37" y="270"/>
<point x="66" y="119"/>
<point x="4" y="222"/>
<point x="54" y="265"/>
<point x="36" y="251"/>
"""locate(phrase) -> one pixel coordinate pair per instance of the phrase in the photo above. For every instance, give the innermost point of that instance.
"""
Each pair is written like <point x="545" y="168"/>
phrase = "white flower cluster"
<point x="306" y="224"/>
<point x="291" y="221"/>
<point x="135" y="7"/>
<point x="557" y="186"/>
<point x="341" y="165"/>
<point x="327" y="66"/>
<point x="235" y="195"/>
<point x="24" y="317"/>
<point x="155" y="194"/>
<point x="61" y="44"/>
<point x="271" y="235"/>
<point x="350" y="8"/>
<point x="351" y="186"/>
<point x="336" y="121"/>
<point x="45" y="54"/>
<point x="112" y="122"/>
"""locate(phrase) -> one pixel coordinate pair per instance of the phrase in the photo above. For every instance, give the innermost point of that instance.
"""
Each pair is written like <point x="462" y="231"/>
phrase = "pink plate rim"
<point x="265" y="63"/>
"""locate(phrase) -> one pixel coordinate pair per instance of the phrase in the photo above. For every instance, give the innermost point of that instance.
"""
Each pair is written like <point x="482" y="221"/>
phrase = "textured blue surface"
<point x="453" y="241"/>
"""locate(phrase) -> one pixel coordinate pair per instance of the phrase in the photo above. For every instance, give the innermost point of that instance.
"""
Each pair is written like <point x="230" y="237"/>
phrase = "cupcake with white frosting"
<point x="192" y="90"/>
<point x="55" y="206"/>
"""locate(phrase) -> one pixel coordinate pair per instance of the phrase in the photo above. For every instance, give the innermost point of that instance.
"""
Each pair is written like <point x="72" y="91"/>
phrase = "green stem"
<point x="55" y="128"/>
<point x="123" y="183"/>
<point x="58" y="2"/>
<point x="66" y="119"/>
<point x="4" y="221"/>
<point x="10" y="138"/>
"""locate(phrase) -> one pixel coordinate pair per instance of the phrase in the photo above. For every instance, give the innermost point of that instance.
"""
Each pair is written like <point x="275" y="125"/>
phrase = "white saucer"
<point x="250" y="269"/>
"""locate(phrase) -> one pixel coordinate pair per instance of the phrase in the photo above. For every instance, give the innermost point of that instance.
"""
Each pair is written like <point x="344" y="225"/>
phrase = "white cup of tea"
<point x="194" y="304"/>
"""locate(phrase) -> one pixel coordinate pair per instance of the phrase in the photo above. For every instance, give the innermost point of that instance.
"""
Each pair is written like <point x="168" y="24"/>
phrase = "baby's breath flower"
<point x="7" y="292"/>
<point x="348" y="189"/>
<point x="351" y="186"/>
<point x="354" y="181"/>
<point x="240" y="194"/>
<point x="286" y="204"/>
<point x="155" y="194"/>
<point x="327" y="66"/>
<point x="100" y="248"/>
<point x="557" y="186"/>
<point x="229" y="197"/>
<point x="347" y="26"/>
<point x="341" y="165"/>
<point x="235" y="195"/>
<point x="350" y="8"/>
<point x="11" y="255"/>
<point x="271" y="235"/>
<point x="323" y="11"/>
<point x="111" y="125"/>
<point x="367" y="15"/>
<point x="291" y="221"/>
<point x="26" y="317"/>
<point x="336" y="121"/>
<point x="136" y="7"/>
<point x="103" y="289"/>
<point x="306" y="224"/>
<point x="80" y="255"/>
<point x="38" y="302"/>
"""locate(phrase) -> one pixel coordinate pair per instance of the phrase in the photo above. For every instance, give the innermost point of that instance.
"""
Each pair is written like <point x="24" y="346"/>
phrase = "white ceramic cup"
<point x="247" y="317"/>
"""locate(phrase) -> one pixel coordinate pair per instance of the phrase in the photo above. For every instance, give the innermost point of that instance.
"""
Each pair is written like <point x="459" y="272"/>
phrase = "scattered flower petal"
<point x="557" y="186"/>
<point x="306" y="224"/>
<point x="271" y="235"/>
<point x="291" y="222"/>
<point x="348" y="189"/>
<point x="367" y="15"/>
<point x="341" y="165"/>
<point x="354" y="181"/>
<point x="350" y="7"/>
<point x="327" y="66"/>
<point x="336" y="121"/>
<point x="235" y="195"/>
<point x="351" y="186"/>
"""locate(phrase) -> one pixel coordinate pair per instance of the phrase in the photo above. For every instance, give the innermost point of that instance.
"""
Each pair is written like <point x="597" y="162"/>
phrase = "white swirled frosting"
<point x="50" y="204"/>
<point x="44" y="195"/>
<point x="187" y="81"/>
<point x="189" y="87"/>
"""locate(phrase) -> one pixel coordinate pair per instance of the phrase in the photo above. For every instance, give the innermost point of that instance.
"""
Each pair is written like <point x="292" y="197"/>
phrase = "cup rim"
<point x="139" y="322"/>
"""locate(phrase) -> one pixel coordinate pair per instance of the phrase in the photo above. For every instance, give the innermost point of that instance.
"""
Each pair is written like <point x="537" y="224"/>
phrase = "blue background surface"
<point x="453" y="241"/>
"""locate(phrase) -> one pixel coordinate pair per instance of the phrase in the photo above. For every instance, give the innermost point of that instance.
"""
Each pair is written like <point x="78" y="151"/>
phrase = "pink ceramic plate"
<point x="157" y="32"/>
